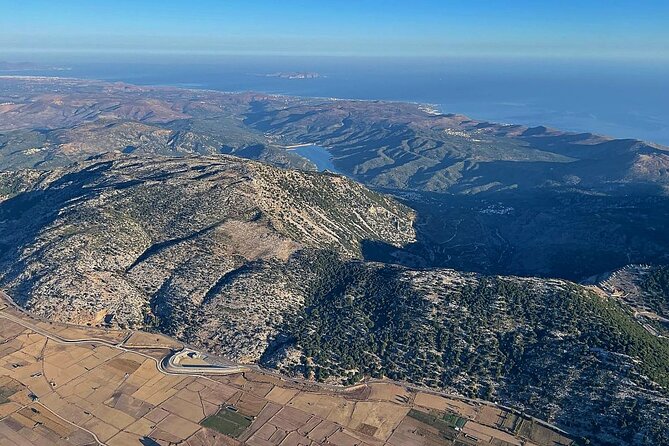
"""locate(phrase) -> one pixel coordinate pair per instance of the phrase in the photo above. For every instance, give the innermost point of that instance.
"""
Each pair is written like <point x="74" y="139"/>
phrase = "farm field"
<point x="65" y="385"/>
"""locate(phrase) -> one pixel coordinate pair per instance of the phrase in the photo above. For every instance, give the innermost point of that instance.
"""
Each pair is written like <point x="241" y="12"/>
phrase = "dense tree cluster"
<point x="539" y="345"/>
<point x="656" y="286"/>
<point x="370" y="320"/>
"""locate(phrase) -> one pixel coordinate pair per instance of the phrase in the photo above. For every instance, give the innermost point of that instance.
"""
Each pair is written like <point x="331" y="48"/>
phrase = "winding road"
<point x="169" y="365"/>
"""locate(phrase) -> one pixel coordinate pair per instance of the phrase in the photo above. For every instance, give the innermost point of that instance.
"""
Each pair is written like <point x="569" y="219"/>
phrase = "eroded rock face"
<point x="154" y="239"/>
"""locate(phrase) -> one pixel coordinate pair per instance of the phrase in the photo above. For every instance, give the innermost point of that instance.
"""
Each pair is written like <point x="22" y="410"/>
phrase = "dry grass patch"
<point x="485" y="433"/>
<point x="317" y="404"/>
<point x="177" y="426"/>
<point x="125" y="439"/>
<point x="124" y="365"/>
<point x="382" y="417"/>
<point x="154" y="340"/>
<point x="390" y="392"/>
<point x="281" y="395"/>
<point x="184" y="409"/>
<point x="103" y="430"/>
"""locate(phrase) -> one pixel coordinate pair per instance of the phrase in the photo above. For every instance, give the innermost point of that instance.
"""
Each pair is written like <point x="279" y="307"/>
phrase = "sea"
<point x="624" y="98"/>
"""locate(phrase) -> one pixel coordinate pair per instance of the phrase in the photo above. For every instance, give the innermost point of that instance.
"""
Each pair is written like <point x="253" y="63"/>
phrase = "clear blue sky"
<point x="566" y="28"/>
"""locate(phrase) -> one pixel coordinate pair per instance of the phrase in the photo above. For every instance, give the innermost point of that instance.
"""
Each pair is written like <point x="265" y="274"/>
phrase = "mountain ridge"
<point x="379" y="143"/>
<point x="140" y="210"/>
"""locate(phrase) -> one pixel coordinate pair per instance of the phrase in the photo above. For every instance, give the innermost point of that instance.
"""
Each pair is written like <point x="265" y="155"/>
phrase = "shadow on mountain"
<point x="25" y="215"/>
<point x="156" y="248"/>
<point x="566" y="234"/>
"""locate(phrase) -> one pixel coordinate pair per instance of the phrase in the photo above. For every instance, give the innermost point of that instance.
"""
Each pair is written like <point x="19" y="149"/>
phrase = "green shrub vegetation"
<point x="228" y="422"/>
<point x="368" y="320"/>
<point x="656" y="286"/>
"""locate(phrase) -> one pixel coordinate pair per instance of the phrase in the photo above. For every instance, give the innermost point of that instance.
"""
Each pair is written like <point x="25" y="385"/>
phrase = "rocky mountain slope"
<point x="645" y="288"/>
<point x="155" y="227"/>
<point x="261" y="264"/>
<point x="551" y="347"/>
<point x="51" y="122"/>
<point x="142" y="238"/>
<point x="491" y="198"/>
<point x="381" y="144"/>
<point x="408" y="147"/>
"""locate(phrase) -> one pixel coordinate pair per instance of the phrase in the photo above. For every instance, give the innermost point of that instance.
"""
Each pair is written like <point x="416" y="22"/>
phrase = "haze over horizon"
<point x="591" y="29"/>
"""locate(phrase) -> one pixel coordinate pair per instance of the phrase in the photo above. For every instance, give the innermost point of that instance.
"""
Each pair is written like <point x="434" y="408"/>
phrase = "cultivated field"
<point x="106" y="388"/>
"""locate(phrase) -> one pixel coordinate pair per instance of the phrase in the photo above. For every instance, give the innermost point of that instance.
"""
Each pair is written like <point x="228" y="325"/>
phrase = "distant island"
<point x="295" y="75"/>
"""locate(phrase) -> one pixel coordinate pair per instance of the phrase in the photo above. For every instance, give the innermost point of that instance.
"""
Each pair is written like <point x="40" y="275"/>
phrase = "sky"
<point x="607" y="29"/>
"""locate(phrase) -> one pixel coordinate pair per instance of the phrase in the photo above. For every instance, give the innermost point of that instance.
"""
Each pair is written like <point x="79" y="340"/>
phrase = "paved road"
<point x="169" y="367"/>
<point x="166" y="365"/>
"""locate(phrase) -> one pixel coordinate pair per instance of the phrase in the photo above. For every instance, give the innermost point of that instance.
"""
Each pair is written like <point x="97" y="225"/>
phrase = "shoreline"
<point x="432" y="109"/>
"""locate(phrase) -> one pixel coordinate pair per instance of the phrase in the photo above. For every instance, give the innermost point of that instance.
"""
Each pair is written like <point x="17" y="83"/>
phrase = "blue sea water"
<point x="626" y="99"/>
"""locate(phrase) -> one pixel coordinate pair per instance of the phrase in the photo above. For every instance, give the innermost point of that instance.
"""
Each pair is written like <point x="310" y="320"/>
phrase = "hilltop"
<point x="381" y="144"/>
<point x="491" y="198"/>
<point x="109" y="237"/>
<point x="263" y="265"/>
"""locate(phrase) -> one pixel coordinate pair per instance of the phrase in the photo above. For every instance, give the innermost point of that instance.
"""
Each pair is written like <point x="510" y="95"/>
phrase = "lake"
<point x="317" y="155"/>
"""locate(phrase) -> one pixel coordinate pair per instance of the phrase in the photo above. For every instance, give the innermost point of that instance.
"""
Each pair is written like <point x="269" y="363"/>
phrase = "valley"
<point x="558" y="187"/>
<point x="417" y="251"/>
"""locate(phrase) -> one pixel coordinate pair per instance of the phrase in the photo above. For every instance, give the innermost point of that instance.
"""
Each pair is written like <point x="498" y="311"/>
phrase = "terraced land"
<point x="67" y="385"/>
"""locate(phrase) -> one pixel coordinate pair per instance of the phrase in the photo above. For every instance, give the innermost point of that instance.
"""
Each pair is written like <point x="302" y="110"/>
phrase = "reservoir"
<point x="317" y="155"/>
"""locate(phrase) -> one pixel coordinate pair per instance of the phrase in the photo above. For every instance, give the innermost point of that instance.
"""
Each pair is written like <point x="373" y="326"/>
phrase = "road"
<point x="168" y="366"/>
<point x="165" y="366"/>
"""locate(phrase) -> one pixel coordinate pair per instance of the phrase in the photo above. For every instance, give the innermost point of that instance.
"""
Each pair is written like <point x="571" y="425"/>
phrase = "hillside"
<point x="260" y="264"/>
<point x="121" y="206"/>
<point x="109" y="391"/>
<point x="569" y="234"/>
<point x="550" y="347"/>
<point x="134" y="239"/>
<point x="381" y="144"/>
<point x="491" y="198"/>
<point x="408" y="147"/>
<point x="645" y="289"/>
<point x="51" y="122"/>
